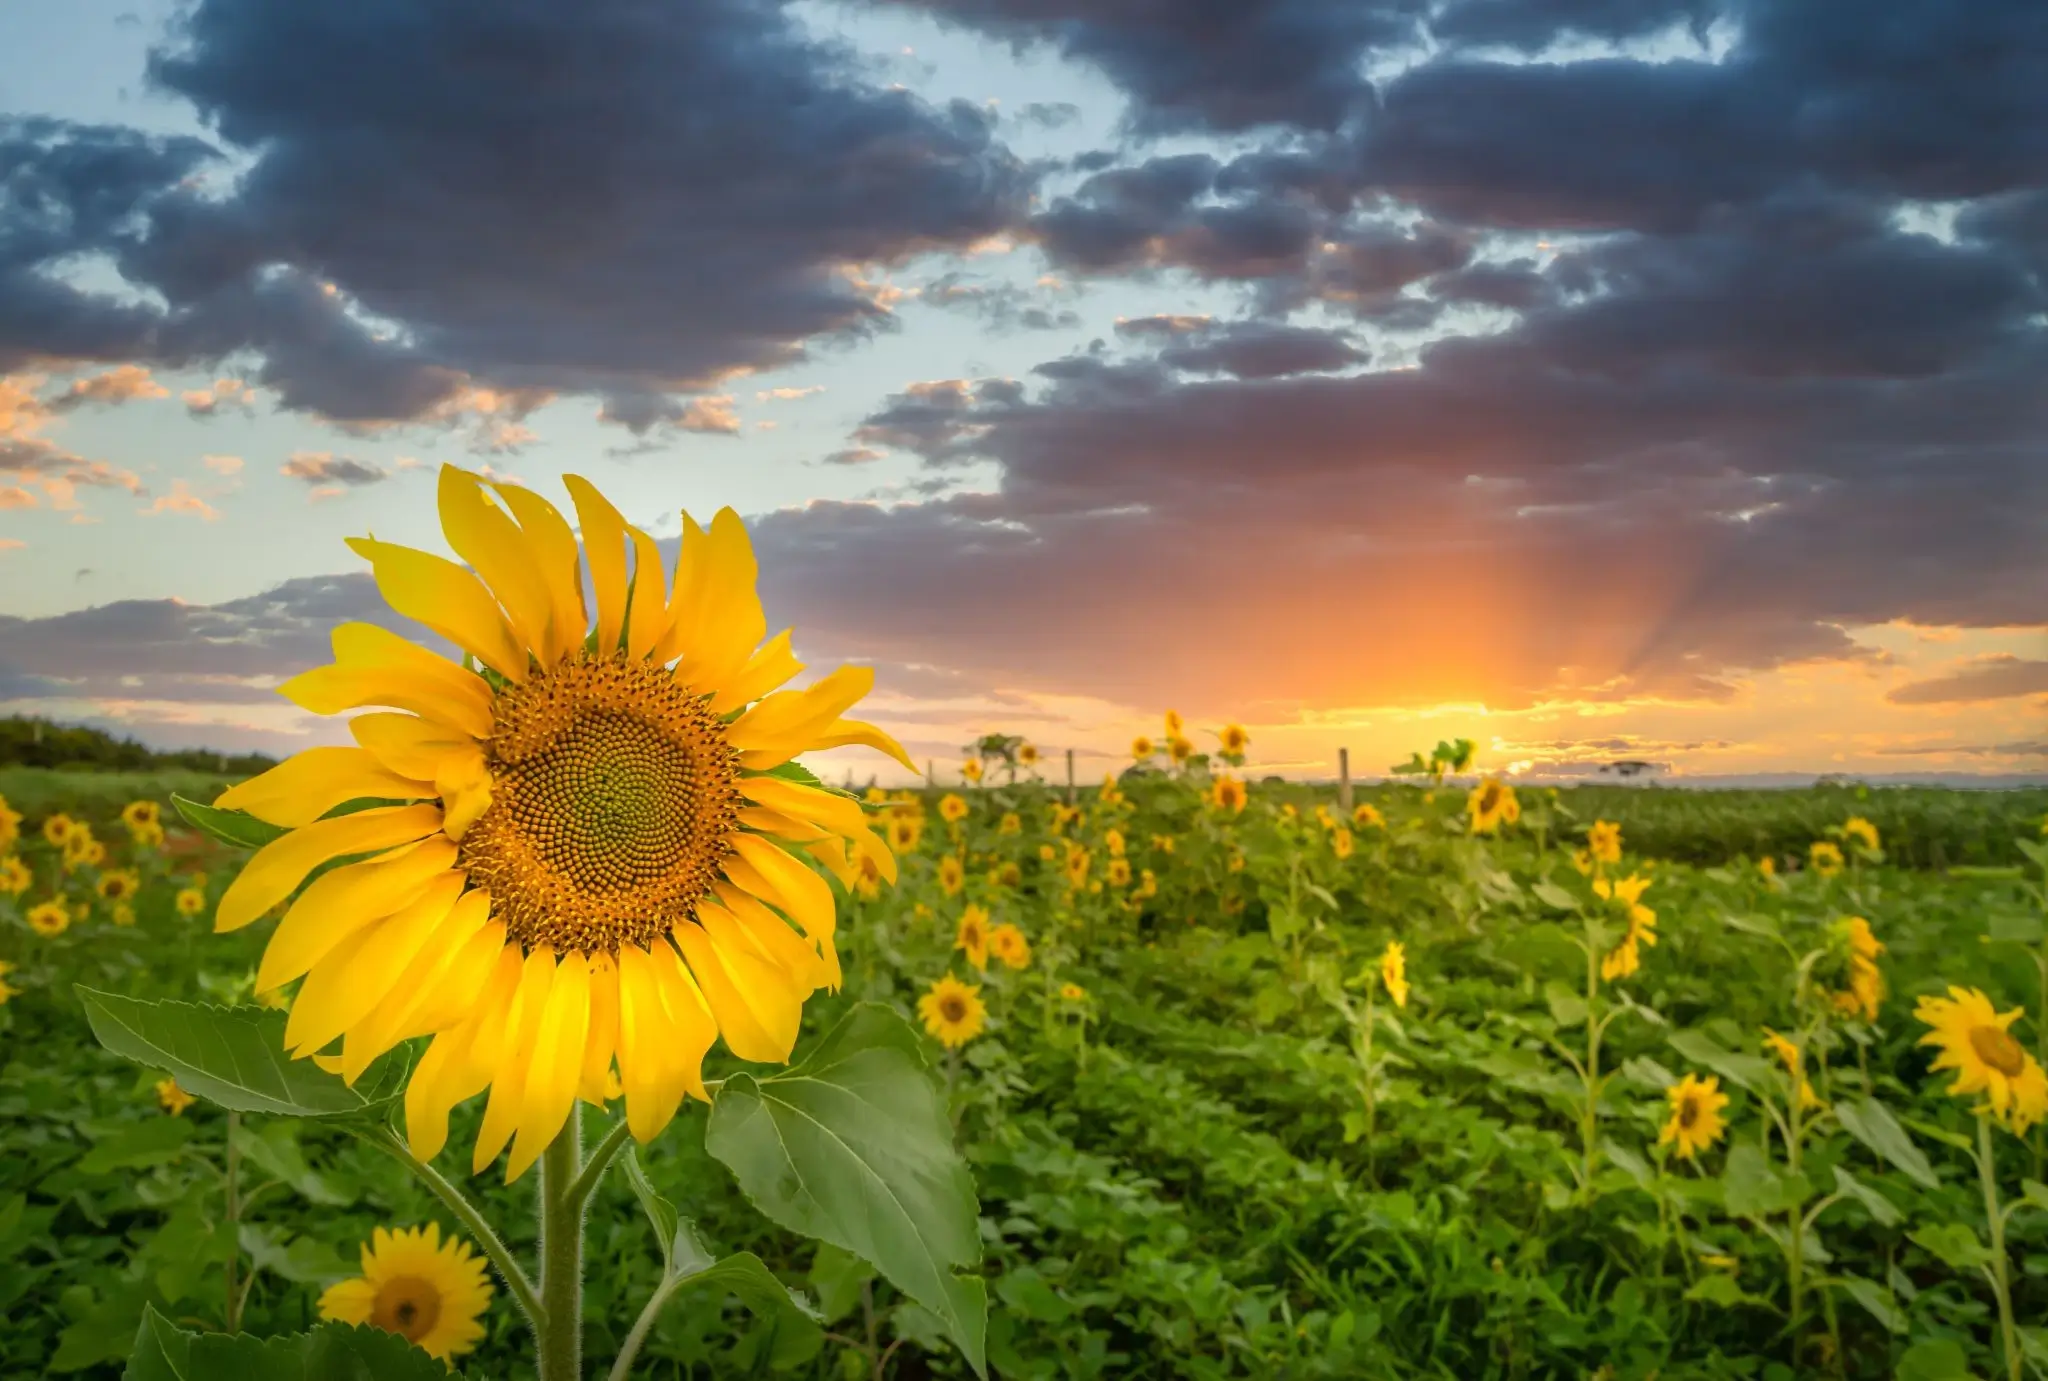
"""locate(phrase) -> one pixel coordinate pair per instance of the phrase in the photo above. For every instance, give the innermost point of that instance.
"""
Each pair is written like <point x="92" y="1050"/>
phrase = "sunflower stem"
<point x="561" y="1255"/>
<point x="471" y="1219"/>
<point x="2001" y="1263"/>
<point x="600" y="1160"/>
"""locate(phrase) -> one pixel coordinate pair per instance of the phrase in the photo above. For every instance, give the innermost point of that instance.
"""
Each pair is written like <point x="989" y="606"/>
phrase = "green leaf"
<point x="1955" y="1244"/>
<point x="1753" y="925"/>
<point x="1754" y="1188"/>
<point x="232" y="1057"/>
<point x="274" y="1150"/>
<point x="331" y="1352"/>
<point x="660" y="1212"/>
<point x="1881" y="1208"/>
<point x="1567" y="1008"/>
<point x="1941" y="1359"/>
<point x="2016" y="927"/>
<point x="1551" y="895"/>
<point x="1872" y="1297"/>
<point x="837" y="1275"/>
<point x="2035" y="1193"/>
<point x="747" y="1278"/>
<point x="1737" y="1067"/>
<point x="854" y="1147"/>
<point x="1872" y="1123"/>
<point x="235" y="828"/>
<point x="1719" y="1287"/>
<point x="794" y="771"/>
<point x="301" y="1259"/>
<point x="156" y="1142"/>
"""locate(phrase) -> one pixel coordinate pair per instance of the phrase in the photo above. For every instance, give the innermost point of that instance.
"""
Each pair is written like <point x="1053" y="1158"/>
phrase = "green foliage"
<point x="31" y="742"/>
<point x="331" y="1352"/>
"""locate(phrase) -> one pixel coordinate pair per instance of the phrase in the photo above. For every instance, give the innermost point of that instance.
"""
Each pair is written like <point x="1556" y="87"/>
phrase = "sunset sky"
<point x="1664" y="380"/>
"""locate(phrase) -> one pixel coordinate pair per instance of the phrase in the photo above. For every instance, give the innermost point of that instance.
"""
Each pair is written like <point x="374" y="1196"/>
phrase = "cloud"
<point x="855" y="455"/>
<point x="217" y="397"/>
<point x="11" y="544"/>
<point x="181" y="499"/>
<point x="1002" y="306"/>
<point x="787" y="395"/>
<point x="1999" y="676"/>
<point x="122" y="384"/>
<point x="31" y="463"/>
<point x="223" y="465"/>
<point x="327" y="470"/>
<point x="640" y="413"/>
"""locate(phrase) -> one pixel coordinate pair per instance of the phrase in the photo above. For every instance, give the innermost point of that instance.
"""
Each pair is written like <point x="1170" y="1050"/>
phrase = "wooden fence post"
<point x="1344" y="780"/>
<point x="1070" y="776"/>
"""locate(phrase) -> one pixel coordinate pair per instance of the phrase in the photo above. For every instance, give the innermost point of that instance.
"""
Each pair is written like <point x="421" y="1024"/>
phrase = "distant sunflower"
<point x="1076" y="867"/>
<point x="1367" y="817"/>
<point x="1234" y="739"/>
<point x="429" y="1292"/>
<point x="15" y="876"/>
<point x="953" y="1012"/>
<point x="1789" y="1055"/>
<point x="1492" y="804"/>
<point x="58" y="828"/>
<point x="191" y="901"/>
<point x="1179" y="749"/>
<point x="598" y="854"/>
<point x="1394" y="972"/>
<point x="1119" y="872"/>
<point x="1976" y="1042"/>
<point x="971" y="769"/>
<point x="1011" y="823"/>
<point x="1696" y="1122"/>
<point x="1027" y="755"/>
<point x="118" y="885"/>
<point x="1228" y="794"/>
<point x="1825" y="858"/>
<point x="1603" y="841"/>
<point x="1141" y="748"/>
<point x="1008" y="944"/>
<point x="1341" y="841"/>
<point x="952" y="808"/>
<point x="1861" y="832"/>
<point x="903" y="831"/>
<point x="1113" y="840"/>
<point x="1072" y="992"/>
<point x="1174" y="727"/>
<point x="10" y="825"/>
<point x="952" y="875"/>
<point x="1857" y="948"/>
<point x="49" y="919"/>
<point x="173" y="1099"/>
<point x="972" y="936"/>
<point x="141" y="816"/>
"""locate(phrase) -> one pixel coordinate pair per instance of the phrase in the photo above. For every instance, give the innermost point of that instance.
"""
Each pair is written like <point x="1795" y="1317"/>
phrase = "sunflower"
<point x="1768" y="866"/>
<point x="1119" y="872"/>
<point x="191" y="901"/>
<point x="1825" y="858"/>
<point x="1164" y="843"/>
<point x="1027" y="755"/>
<point x="1109" y="795"/>
<point x="903" y="831"/>
<point x="1011" y="823"/>
<point x="429" y="1292"/>
<point x="1341" y="842"/>
<point x="1861" y="832"/>
<point x="10" y="825"/>
<point x="1628" y="891"/>
<point x="972" y="936"/>
<point x="1141" y="748"/>
<point x="1367" y="817"/>
<point x="953" y="1012"/>
<point x="1113" y="841"/>
<point x="58" y="828"/>
<point x="1625" y="958"/>
<point x="952" y="808"/>
<point x="1789" y="1056"/>
<point x="1148" y="884"/>
<point x="1174" y="726"/>
<point x="971" y="770"/>
<point x="1603" y="841"/>
<point x="952" y="875"/>
<point x="173" y="1099"/>
<point x="1491" y="805"/>
<point x="1394" y="972"/>
<point x="14" y="876"/>
<point x="1976" y="1042"/>
<point x="596" y="853"/>
<point x="118" y="885"/>
<point x="1695" y="1123"/>
<point x="1854" y="940"/>
<point x="1076" y="866"/>
<point x="1179" y="749"/>
<point x="7" y="990"/>
<point x="1008" y="944"/>
<point x="1234" y="740"/>
<point x="1072" y="992"/>
<point x="1009" y="875"/>
<point x="141" y="815"/>
<point x="147" y="837"/>
<point x="1228" y="794"/>
<point x="49" y="919"/>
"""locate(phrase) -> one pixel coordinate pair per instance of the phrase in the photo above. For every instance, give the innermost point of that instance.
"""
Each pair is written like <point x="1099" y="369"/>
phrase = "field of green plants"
<point x="1455" y="1082"/>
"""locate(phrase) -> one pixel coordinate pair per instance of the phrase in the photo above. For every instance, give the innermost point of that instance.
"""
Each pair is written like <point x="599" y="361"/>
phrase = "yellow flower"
<point x="14" y="876"/>
<point x="1119" y="872"/>
<point x="430" y="1292"/>
<point x="58" y="828"/>
<point x="1341" y="842"/>
<point x="1394" y="972"/>
<point x="1975" y="1041"/>
<point x="7" y="990"/>
<point x="1695" y="1123"/>
<point x="118" y="885"/>
<point x="1164" y="843"/>
<point x="972" y="936"/>
<point x="1011" y="823"/>
<point x="191" y="901"/>
<point x="1072" y="992"/>
<point x="585" y="866"/>
<point x="903" y="832"/>
<point x="1076" y="865"/>
<point x="140" y="815"/>
<point x="1491" y="805"/>
<point x="1179" y="749"/>
<point x="1825" y="858"/>
<point x="1603" y="841"/>
<point x="1861" y="831"/>
<point x="1234" y="863"/>
<point x="1628" y="890"/>
<point x="147" y="837"/>
<point x="49" y="918"/>
<point x="1008" y="944"/>
<point x="1768" y="866"/>
<point x="1114" y="842"/>
<point x="10" y="825"/>
<point x="1582" y="861"/>
<point x="123" y="914"/>
<point x="952" y="875"/>
<point x="971" y="769"/>
<point x="1866" y="981"/>
<point x="173" y="1099"/>
<point x="1367" y="817"/>
<point x="1228" y="794"/>
<point x="1148" y="884"/>
<point x="952" y="808"/>
<point x="1625" y="958"/>
<point x="1174" y="727"/>
<point x="1234" y="739"/>
<point x="953" y="1012"/>
<point x="1788" y="1055"/>
<point x="1109" y="793"/>
<point x="1027" y="754"/>
<point x="1141" y="748"/>
<point x="1009" y="875"/>
<point x="1047" y="853"/>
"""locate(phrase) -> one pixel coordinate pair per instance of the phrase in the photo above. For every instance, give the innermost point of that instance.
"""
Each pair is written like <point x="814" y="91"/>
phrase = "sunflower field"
<point x="594" y="1036"/>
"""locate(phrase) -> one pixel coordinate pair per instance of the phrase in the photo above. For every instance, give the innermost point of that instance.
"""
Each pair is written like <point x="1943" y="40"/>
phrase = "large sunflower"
<point x="429" y="1292"/>
<point x="589" y="848"/>
<point x="1976" y="1041"/>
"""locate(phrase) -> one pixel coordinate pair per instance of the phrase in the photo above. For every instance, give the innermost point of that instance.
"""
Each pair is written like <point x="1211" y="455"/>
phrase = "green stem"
<point x="1371" y="1101"/>
<point x="561" y="1255"/>
<point x="233" y="1312"/>
<point x="1795" y="1224"/>
<point x="1590" y="1123"/>
<point x="600" y="1160"/>
<point x="622" y="1367"/>
<point x="2001" y="1266"/>
<point x="466" y="1213"/>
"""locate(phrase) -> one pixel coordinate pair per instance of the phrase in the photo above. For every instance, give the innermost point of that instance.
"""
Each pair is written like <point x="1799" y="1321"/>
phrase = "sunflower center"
<point x="1998" y="1049"/>
<point x="407" y="1306"/>
<point x="612" y="798"/>
<point x="953" y="1008"/>
<point x="1688" y="1113"/>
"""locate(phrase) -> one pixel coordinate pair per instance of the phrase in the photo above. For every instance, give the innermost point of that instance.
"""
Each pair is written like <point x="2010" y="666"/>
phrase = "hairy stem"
<point x="2001" y="1264"/>
<point x="561" y="1254"/>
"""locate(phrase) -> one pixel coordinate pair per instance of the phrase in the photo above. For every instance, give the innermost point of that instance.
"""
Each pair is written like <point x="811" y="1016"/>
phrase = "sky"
<point x="1661" y="381"/>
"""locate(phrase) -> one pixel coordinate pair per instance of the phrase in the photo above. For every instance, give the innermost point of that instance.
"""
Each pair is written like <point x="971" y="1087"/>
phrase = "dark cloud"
<point x="1262" y="350"/>
<point x="325" y="468"/>
<point x="1998" y="677"/>
<point x="1003" y="306"/>
<point x="619" y="198"/>
<point x="1048" y="114"/>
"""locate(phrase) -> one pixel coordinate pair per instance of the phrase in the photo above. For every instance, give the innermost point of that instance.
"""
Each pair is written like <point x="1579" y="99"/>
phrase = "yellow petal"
<point x="440" y="1081"/>
<point x="354" y="977"/>
<point x="739" y="918"/>
<point x="555" y="558"/>
<point x="647" y="620"/>
<point x="844" y="733"/>
<point x="604" y="547"/>
<point x="514" y="1052"/>
<point x="603" y="1039"/>
<point x="764" y="821"/>
<point x="717" y="611"/>
<point x="275" y="871"/>
<point x="464" y="784"/>
<point x="376" y="667"/>
<point x="778" y="879"/>
<point x="407" y="745"/>
<point x="647" y="1047"/>
<point x="793" y="717"/>
<point x="308" y="784"/>
<point x="555" y="1065"/>
<point x="689" y="1015"/>
<point x="342" y="902"/>
<point x="486" y="537"/>
<point x="840" y="814"/>
<point x="770" y="666"/>
<point x="757" y="1005"/>
<point x="438" y="991"/>
<point x="435" y="592"/>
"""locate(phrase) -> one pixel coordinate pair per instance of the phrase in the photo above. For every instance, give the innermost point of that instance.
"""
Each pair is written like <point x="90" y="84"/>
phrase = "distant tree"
<point x="31" y="742"/>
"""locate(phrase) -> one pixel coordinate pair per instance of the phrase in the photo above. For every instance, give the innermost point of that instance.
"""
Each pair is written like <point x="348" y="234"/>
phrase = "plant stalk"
<point x="233" y="1214"/>
<point x="561" y="1254"/>
<point x="2001" y="1263"/>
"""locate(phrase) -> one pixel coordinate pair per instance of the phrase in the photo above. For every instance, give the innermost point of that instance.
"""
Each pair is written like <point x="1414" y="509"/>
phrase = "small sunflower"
<point x="49" y="919"/>
<point x="903" y="832"/>
<point x="429" y="1292"/>
<point x="952" y="808"/>
<point x="1788" y="1055"/>
<point x="1394" y="972"/>
<point x="953" y="1012"/>
<point x="15" y="876"/>
<point x="1625" y="958"/>
<point x="141" y="815"/>
<point x="1118" y="873"/>
<point x="971" y="770"/>
<point x="1072" y="992"/>
<point x="1825" y="858"/>
<point x="1009" y="875"/>
<point x="1234" y="740"/>
<point x="1011" y="823"/>
<point x="1492" y="804"/>
<point x="1696" y="1122"/>
<point x="1341" y="842"/>
<point x="58" y="828"/>
<point x="1367" y="817"/>
<point x="1027" y="755"/>
<point x="1228" y="794"/>
<point x="1141" y="748"/>
<point x="597" y="859"/>
<point x="1855" y="943"/>
<point x="1179" y="749"/>
<point x="1008" y="944"/>
<point x="7" y="990"/>
<point x="10" y="825"/>
<point x="1768" y="866"/>
<point x="1113" y="840"/>
<point x="971" y="937"/>
<point x="1076" y="866"/>
<point x="118" y="885"/>
<point x="1603" y="841"/>
<point x="1164" y="843"/>
<point x="191" y="901"/>
<point x="1174" y="727"/>
<point x="1976" y="1042"/>
<point x="952" y="875"/>
<point x="173" y="1099"/>
<point x="1148" y="885"/>
<point x="1860" y="832"/>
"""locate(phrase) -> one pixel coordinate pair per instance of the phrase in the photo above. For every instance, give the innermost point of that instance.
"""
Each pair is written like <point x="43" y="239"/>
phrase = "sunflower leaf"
<point x="233" y="1057"/>
<point x="235" y="828"/>
<point x="853" y="1147"/>
<point x="331" y="1352"/>
<point x="1872" y="1123"/>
